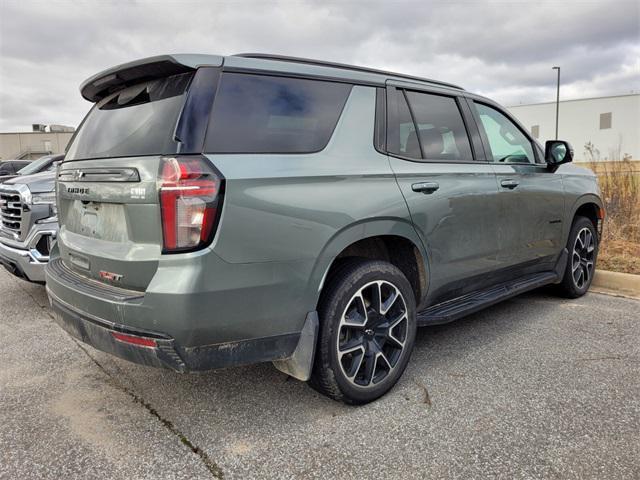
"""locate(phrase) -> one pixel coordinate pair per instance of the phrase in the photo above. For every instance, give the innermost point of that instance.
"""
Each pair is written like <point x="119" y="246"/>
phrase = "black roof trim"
<point x="285" y="58"/>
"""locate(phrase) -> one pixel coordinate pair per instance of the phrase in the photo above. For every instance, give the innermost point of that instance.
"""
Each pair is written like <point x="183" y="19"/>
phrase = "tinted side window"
<point x="507" y="143"/>
<point x="440" y="126"/>
<point x="405" y="139"/>
<point x="266" y="114"/>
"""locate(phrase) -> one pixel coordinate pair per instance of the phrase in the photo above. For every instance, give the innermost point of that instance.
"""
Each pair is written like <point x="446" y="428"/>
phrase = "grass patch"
<point x="620" y="185"/>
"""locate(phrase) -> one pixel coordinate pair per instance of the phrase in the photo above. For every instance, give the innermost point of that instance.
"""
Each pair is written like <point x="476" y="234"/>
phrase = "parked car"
<point x="219" y="211"/>
<point x="28" y="224"/>
<point x="42" y="164"/>
<point x="9" y="168"/>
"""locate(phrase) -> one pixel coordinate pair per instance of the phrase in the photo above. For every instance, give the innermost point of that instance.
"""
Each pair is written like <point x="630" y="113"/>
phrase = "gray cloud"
<point x="503" y="49"/>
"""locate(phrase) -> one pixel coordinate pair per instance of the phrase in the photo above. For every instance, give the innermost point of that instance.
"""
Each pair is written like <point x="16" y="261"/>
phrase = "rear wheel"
<point x="581" y="265"/>
<point x="367" y="331"/>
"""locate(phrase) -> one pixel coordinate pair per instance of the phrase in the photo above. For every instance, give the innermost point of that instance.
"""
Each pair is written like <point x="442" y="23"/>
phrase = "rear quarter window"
<point x="268" y="114"/>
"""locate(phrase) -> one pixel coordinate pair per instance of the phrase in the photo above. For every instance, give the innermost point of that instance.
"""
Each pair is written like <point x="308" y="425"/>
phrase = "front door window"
<point x="507" y="142"/>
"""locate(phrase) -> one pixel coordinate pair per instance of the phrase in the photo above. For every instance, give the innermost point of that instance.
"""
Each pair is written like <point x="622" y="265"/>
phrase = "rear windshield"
<point x="138" y="120"/>
<point x="267" y="114"/>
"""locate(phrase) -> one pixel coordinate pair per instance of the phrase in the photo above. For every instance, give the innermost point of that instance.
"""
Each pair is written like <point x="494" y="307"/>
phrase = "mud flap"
<point x="299" y="365"/>
<point x="561" y="265"/>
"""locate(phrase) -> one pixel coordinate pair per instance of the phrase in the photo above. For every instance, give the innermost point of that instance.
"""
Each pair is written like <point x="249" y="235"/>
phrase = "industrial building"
<point x="30" y="145"/>
<point x="610" y="124"/>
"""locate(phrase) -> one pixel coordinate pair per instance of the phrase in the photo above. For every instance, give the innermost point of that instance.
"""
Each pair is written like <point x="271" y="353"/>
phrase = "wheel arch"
<point x="393" y="240"/>
<point x="588" y="206"/>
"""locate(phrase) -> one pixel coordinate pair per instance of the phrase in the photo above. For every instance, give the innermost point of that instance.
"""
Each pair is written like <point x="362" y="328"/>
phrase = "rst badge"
<point x="112" y="277"/>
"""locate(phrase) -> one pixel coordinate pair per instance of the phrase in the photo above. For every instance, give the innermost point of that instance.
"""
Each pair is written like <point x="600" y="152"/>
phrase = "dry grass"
<point x="620" y="185"/>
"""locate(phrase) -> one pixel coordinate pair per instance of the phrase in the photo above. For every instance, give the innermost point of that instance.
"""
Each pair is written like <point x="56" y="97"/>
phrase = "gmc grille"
<point x="11" y="211"/>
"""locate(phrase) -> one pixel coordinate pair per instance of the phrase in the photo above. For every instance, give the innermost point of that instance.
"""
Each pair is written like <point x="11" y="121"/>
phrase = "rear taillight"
<point x="190" y="201"/>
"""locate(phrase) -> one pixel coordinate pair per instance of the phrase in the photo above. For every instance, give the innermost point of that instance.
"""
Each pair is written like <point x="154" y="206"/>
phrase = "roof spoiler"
<point x="106" y="82"/>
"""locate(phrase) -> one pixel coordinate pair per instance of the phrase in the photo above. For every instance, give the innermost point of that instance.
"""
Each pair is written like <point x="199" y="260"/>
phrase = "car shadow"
<point x="272" y="399"/>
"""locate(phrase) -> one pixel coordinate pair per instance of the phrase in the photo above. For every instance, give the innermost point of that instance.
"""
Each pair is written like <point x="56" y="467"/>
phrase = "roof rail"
<point x="285" y="58"/>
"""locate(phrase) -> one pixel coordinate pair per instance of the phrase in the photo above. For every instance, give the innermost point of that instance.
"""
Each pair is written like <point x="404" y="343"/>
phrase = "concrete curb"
<point x="614" y="283"/>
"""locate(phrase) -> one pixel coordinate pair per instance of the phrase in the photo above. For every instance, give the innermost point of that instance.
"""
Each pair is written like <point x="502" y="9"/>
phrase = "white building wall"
<point x="580" y="123"/>
<point x="13" y="144"/>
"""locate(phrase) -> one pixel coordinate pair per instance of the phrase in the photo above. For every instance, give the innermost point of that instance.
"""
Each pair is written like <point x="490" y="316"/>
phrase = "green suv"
<point x="219" y="211"/>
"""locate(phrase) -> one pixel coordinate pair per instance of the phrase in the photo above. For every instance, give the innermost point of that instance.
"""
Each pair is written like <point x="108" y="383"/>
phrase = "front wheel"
<point x="367" y="331"/>
<point x="581" y="265"/>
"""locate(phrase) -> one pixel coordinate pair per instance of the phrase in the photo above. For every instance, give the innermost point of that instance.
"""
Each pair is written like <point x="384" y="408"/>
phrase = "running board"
<point x="451" y="310"/>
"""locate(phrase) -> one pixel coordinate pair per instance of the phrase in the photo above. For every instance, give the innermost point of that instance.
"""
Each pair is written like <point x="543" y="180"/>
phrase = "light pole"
<point x="557" y="99"/>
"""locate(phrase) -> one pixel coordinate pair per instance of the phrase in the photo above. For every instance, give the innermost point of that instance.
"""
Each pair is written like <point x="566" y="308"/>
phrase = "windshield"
<point x="138" y="120"/>
<point x="38" y="165"/>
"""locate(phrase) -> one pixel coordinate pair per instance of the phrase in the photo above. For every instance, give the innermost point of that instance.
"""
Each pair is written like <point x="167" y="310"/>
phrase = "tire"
<point x="583" y="253"/>
<point x="360" y="358"/>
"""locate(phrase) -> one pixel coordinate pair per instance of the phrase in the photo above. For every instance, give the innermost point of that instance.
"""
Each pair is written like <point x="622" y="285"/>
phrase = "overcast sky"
<point x="503" y="49"/>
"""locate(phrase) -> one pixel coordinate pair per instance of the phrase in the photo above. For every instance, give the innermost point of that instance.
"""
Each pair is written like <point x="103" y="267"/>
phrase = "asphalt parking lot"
<point x="536" y="387"/>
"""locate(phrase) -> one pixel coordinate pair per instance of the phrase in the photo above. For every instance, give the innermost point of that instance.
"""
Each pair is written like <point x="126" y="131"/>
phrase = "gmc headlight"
<point x="43" y="198"/>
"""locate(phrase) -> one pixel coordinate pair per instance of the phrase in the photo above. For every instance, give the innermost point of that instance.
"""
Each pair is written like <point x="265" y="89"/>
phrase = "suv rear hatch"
<point x="133" y="185"/>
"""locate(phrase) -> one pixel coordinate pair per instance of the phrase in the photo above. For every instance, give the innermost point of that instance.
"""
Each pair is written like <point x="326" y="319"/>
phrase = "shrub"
<point x="620" y="186"/>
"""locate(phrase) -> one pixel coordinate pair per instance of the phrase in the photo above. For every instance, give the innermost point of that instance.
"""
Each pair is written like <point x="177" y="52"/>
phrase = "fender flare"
<point x="352" y="233"/>
<point x="579" y="202"/>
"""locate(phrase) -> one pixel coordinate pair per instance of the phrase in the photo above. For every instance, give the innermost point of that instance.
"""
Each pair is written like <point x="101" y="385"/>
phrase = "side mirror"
<point x="557" y="152"/>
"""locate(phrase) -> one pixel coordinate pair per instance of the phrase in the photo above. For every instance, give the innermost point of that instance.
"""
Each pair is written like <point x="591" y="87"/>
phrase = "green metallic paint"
<point x="286" y="218"/>
<point x="530" y="216"/>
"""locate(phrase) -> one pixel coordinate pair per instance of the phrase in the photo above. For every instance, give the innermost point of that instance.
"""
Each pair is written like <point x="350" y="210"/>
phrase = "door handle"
<point x="425" y="187"/>
<point x="510" y="184"/>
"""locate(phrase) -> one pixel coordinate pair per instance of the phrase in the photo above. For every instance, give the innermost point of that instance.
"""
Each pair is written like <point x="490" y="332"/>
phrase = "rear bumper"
<point x="98" y="331"/>
<point x="167" y="353"/>
<point x="99" y="334"/>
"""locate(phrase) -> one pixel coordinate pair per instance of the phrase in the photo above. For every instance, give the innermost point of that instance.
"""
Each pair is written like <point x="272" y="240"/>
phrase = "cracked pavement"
<point x="536" y="387"/>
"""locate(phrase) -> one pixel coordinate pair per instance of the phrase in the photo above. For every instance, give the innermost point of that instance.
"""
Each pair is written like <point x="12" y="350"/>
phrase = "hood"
<point x="573" y="169"/>
<point x="37" y="183"/>
<point x="4" y="178"/>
